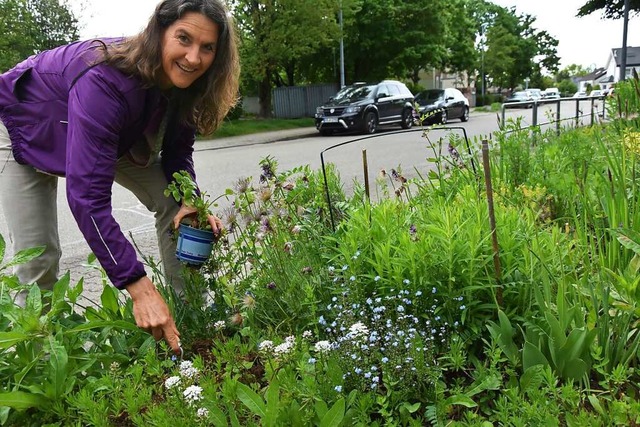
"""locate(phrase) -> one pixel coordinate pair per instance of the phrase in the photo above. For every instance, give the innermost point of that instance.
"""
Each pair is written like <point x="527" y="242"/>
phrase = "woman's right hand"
<point x="152" y="313"/>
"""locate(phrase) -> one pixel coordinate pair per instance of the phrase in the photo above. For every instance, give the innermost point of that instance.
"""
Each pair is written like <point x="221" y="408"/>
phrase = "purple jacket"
<point x="69" y="118"/>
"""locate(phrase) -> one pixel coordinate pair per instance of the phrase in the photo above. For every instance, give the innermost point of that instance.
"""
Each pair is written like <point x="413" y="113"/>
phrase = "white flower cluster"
<point x="285" y="347"/>
<point x="219" y="325"/>
<point x="358" y="330"/>
<point x="322" y="347"/>
<point x="268" y="347"/>
<point x="265" y="346"/>
<point x="192" y="394"/>
<point x="187" y="370"/>
<point x="172" y="382"/>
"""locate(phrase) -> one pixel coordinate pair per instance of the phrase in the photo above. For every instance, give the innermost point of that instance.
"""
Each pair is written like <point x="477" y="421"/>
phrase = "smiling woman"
<point x="122" y="110"/>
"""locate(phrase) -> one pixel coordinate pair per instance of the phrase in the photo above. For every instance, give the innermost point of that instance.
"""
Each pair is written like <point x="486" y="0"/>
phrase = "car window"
<point x="405" y="91"/>
<point x="393" y="90"/>
<point x="383" y="91"/>
<point x="430" y="95"/>
<point x="353" y="93"/>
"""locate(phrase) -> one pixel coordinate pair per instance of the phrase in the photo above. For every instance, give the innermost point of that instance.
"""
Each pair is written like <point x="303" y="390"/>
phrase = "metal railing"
<point x="535" y="105"/>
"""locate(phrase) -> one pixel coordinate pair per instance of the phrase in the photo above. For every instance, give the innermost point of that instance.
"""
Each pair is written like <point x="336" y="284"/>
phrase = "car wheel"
<point x="370" y="122"/>
<point x="465" y="115"/>
<point x="326" y="132"/>
<point x="407" y="118"/>
<point x="444" y="117"/>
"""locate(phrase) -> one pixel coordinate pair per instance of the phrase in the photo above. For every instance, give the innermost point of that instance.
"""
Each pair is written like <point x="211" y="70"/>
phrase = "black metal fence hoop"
<point x="363" y="138"/>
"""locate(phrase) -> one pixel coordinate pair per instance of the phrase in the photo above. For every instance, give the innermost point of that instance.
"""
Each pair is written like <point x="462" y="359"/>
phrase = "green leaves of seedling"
<point x="184" y="190"/>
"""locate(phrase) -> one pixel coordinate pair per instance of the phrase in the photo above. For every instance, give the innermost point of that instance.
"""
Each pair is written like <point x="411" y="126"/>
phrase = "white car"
<point x="535" y="94"/>
<point x="580" y="94"/>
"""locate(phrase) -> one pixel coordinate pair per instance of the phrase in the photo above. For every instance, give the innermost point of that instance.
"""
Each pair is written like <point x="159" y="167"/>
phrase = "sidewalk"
<point x="256" y="138"/>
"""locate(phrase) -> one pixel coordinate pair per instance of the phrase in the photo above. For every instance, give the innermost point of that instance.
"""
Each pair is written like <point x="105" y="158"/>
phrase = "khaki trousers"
<point x="28" y="200"/>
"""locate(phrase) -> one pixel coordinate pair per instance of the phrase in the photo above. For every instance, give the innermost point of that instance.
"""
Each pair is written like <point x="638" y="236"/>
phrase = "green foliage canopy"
<point x="277" y="35"/>
<point x="31" y="26"/>
<point x="613" y="9"/>
<point x="515" y="49"/>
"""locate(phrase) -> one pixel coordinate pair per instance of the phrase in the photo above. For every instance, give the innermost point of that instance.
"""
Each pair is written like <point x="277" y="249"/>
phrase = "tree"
<point x="567" y="87"/>
<point x="463" y="28"/>
<point x="516" y="50"/>
<point x="278" y="34"/>
<point x="419" y="36"/>
<point x="612" y="9"/>
<point x="31" y="26"/>
<point x="572" y="70"/>
<point x="370" y="41"/>
<point x="56" y="23"/>
<point x="499" y="60"/>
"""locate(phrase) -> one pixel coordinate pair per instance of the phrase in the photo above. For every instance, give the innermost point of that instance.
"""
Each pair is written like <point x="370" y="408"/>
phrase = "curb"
<point x="255" y="138"/>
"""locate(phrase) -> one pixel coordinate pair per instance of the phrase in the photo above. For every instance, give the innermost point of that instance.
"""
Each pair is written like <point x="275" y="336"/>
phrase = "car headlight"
<point x="352" y="109"/>
<point x="319" y="111"/>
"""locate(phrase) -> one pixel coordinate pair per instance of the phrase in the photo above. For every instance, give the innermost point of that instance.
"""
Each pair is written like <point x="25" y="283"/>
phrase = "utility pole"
<point x="483" y="82"/>
<point x="342" y="50"/>
<point x="623" y="59"/>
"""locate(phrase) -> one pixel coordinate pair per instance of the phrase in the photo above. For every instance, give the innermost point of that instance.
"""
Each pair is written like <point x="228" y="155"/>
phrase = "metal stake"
<point x="492" y="218"/>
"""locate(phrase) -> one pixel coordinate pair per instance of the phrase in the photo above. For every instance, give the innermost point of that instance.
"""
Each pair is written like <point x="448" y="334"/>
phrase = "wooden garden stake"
<point x="365" y="166"/>
<point x="492" y="218"/>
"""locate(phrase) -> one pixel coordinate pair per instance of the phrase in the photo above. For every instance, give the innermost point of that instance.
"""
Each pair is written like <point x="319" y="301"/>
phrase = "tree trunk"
<point x="415" y="76"/>
<point x="264" y="94"/>
<point x="291" y="72"/>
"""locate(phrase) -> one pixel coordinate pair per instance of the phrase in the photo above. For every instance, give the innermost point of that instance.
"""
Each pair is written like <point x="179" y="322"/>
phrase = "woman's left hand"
<point x="216" y="225"/>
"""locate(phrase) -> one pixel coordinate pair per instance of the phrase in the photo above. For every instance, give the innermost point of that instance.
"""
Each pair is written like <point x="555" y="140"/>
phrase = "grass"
<point x="248" y="126"/>
<point x="496" y="106"/>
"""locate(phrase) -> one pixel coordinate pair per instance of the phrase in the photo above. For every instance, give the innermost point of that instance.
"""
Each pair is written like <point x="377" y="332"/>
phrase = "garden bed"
<point x="405" y="314"/>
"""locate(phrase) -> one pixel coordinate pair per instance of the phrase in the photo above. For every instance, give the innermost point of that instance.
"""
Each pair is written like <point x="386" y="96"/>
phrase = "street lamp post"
<point x="341" y="50"/>
<point x="625" y="27"/>
<point x="483" y="81"/>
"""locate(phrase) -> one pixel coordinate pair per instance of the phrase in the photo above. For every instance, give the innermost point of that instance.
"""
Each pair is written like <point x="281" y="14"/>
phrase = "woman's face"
<point x="188" y="50"/>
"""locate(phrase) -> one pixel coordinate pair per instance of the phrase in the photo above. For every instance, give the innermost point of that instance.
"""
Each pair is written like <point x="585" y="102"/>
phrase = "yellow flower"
<point x="631" y="141"/>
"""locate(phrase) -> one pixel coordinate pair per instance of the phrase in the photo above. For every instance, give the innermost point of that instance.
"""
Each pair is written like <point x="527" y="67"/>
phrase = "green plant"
<point x="548" y="344"/>
<point x="184" y="189"/>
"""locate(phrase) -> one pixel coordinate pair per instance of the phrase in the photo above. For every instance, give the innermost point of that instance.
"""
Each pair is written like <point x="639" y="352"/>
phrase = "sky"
<point x="584" y="41"/>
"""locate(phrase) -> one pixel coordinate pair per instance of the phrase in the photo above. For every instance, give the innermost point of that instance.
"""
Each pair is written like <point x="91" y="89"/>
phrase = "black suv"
<point x="363" y="107"/>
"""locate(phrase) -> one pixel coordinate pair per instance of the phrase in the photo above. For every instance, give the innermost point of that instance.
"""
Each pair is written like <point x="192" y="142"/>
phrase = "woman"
<point x="123" y="110"/>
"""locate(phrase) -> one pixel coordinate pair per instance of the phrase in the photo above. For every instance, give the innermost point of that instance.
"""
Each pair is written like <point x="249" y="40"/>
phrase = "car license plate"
<point x="330" y="120"/>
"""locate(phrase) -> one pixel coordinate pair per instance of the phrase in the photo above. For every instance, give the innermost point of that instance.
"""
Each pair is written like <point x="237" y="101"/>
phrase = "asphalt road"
<point x="220" y="163"/>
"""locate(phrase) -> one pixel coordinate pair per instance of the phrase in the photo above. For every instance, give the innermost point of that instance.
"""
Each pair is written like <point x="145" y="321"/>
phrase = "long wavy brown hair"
<point x="206" y="102"/>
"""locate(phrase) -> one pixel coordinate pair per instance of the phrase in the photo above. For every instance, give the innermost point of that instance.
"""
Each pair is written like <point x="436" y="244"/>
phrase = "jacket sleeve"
<point x="98" y="111"/>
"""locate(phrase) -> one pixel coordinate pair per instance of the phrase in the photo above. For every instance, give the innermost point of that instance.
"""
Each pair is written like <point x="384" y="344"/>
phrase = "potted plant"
<point x="195" y="238"/>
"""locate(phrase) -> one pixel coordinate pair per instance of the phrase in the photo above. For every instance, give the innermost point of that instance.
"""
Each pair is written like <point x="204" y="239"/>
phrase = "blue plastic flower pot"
<point x="194" y="245"/>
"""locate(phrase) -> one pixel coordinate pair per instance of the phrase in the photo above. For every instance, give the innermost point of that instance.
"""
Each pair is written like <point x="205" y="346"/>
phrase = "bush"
<point x="236" y="112"/>
<point x="489" y="99"/>
<point x="415" y="88"/>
